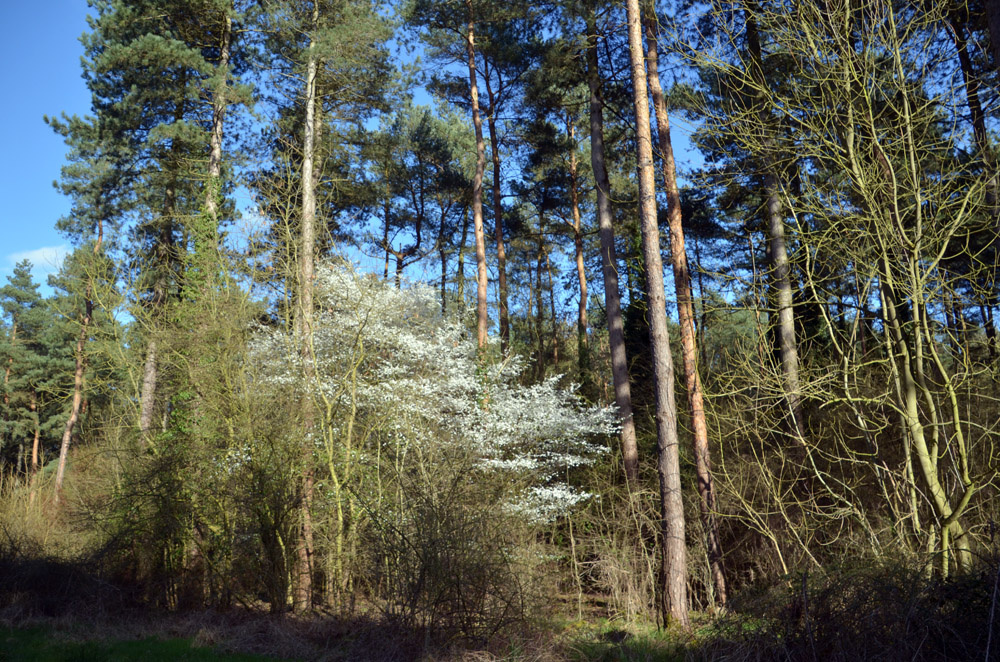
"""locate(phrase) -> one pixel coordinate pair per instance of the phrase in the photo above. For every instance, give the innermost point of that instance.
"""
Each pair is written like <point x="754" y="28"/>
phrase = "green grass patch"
<point x="605" y="642"/>
<point x="37" y="645"/>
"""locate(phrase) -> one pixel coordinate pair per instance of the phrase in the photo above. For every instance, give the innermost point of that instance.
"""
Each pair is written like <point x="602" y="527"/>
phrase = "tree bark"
<point x="33" y="406"/>
<point x="460" y="276"/>
<point x="582" y="324"/>
<point x="148" y="395"/>
<point x="6" y="372"/>
<point x="78" y="372"/>
<point x="218" y="124"/>
<point x="685" y="314"/>
<point x="302" y="592"/>
<point x="552" y="312"/>
<point x="609" y="259"/>
<point x="778" y="255"/>
<point x="482" y="314"/>
<point x="539" y="308"/>
<point x="491" y="121"/>
<point x="674" y="606"/>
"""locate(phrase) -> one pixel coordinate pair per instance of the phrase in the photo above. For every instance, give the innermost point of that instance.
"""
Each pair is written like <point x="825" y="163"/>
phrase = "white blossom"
<point x="414" y="371"/>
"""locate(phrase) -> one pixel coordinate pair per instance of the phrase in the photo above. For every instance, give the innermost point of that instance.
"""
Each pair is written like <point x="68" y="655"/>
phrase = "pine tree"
<point x="24" y="368"/>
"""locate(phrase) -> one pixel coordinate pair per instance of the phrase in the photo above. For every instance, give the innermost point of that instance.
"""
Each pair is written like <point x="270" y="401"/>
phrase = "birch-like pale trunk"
<point x="674" y="607"/>
<point x="609" y="258"/>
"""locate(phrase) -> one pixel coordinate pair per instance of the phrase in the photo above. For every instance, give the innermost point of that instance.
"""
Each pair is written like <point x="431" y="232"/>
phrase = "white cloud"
<point x="45" y="260"/>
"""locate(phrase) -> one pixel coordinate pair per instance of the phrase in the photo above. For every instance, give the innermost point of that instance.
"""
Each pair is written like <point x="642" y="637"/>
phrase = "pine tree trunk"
<point x="582" y="324"/>
<point x="781" y="282"/>
<point x="33" y="481"/>
<point x="6" y="377"/>
<point x="539" y="310"/>
<point x="444" y="279"/>
<point x="685" y="314"/>
<point x="147" y="397"/>
<point x="482" y="314"/>
<point x="491" y="121"/>
<point x="33" y="406"/>
<point x="218" y="124"/>
<point x="164" y="257"/>
<point x="10" y="362"/>
<point x="302" y="590"/>
<point x="609" y="259"/>
<point x="552" y="312"/>
<point x="460" y="276"/>
<point x="674" y="606"/>
<point x="78" y="373"/>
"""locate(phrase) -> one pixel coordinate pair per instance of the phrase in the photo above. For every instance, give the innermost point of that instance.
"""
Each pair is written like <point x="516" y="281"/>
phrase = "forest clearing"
<point x="508" y="330"/>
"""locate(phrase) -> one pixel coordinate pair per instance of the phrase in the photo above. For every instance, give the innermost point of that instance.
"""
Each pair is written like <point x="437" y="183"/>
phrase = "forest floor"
<point x="55" y="612"/>
<point x="255" y="637"/>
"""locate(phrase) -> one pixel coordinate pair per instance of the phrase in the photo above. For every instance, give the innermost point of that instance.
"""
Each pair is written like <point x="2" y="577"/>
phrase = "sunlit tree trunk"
<point x="78" y="372"/>
<point x="460" y="276"/>
<point x="582" y="324"/>
<point x="609" y="259"/>
<point x="302" y="594"/>
<point x="674" y="606"/>
<point x="781" y="282"/>
<point x="685" y="313"/>
<point x="482" y="315"/>
<point x="491" y="121"/>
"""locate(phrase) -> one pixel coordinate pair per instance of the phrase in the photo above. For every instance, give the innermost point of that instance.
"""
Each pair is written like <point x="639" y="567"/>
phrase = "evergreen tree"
<point x="24" y="369"/>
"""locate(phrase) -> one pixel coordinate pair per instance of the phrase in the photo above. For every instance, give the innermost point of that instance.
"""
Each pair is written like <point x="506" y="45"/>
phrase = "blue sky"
<point x="42" y="76"/>
<point x="41" y="73"/>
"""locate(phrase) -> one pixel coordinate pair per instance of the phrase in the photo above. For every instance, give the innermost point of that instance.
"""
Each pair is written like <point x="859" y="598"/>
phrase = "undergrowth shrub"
<point x="872" y="611"/>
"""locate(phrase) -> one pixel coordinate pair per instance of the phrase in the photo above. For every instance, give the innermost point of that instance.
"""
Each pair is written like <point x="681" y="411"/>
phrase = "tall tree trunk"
<point x="385" y="236"/>
<point x="482" y="314"/>
<point x="35" y="443"/>
<point x="460" y="276"/>
<point x="609" y="259"/>
<point x="150" y="374"/>
<point x="685" y="314"/>
<point x="164" y="258"/>
<point x="6" y="375"/>
<point x="491" y="121"/>
<point x="703" y="314"/>
<point x="147" y="397"/>
<point x="213" y="190"/>
<point x="443" y="255"/>
<point x="78" y="372"/>
<point x="781" y="282"/>
<point x="674" y="606"/>
<point x="10" y="362"/>
<point x="33" y="406"/>
<point x="539" y="309"/>
<point x="582" y="324"/>
<point x="552" y="309"/>
<point x="302" y="593"/>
